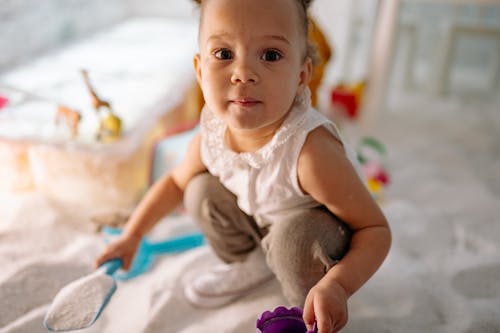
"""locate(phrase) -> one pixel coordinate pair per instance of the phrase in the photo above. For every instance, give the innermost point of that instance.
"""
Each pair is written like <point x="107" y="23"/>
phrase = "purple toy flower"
<point x="283" y="320"/>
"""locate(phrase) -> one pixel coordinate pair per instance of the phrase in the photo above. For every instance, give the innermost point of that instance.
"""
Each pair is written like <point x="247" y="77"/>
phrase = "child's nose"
<point x="243" y="73"/>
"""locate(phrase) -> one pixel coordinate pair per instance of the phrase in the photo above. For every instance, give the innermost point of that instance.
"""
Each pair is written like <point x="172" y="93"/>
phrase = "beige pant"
<point x="300" y="247"/>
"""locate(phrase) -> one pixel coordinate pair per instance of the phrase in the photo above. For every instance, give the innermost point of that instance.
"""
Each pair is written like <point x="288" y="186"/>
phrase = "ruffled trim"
<point x="214" y="131"/>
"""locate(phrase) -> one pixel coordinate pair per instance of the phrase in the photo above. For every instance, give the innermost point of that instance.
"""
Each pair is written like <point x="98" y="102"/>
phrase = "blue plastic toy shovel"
<point x="79" y="304"/>
<point x="148" y="250"/>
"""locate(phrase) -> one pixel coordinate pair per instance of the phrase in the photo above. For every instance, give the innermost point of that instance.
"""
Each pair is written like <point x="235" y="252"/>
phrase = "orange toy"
<point x="324" y="52"/>
<point x="71" y="118"/>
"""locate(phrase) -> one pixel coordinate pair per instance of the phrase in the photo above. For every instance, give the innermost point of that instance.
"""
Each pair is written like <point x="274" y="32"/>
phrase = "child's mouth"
<point x="245" y="102"/>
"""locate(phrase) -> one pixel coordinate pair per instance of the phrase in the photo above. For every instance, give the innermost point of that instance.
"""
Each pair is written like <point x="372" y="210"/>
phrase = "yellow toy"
<point x="110" y="128"/>
<point x="110" y="125"/>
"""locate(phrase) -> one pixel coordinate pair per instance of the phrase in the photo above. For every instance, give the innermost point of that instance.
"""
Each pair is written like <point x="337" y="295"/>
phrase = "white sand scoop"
<point x="79" y="304"/>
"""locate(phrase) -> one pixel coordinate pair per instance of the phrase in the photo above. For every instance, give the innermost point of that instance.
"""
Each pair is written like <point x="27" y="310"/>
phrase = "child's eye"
<point x="271" y="55"/>
<point x="223" y="54"/>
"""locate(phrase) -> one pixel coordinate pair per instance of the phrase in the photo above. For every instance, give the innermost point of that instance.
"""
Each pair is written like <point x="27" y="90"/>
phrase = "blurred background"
<point x="412" y="84"/>
<point x="436" y="47"/>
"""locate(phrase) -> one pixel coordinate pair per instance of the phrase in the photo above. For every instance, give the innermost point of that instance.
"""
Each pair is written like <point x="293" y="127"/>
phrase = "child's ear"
<point x="306" y="72"/>
<point x="197" y="67"/>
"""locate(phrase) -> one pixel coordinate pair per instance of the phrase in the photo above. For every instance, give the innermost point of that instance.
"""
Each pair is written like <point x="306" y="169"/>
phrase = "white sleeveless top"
<point x="265" y="182"/>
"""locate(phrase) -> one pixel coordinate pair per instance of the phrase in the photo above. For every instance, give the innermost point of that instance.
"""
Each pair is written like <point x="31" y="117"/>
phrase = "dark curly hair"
<point x="303" y="6"/>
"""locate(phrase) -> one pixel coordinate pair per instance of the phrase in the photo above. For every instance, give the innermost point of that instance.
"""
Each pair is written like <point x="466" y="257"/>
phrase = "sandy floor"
<point x="441" y="275"/>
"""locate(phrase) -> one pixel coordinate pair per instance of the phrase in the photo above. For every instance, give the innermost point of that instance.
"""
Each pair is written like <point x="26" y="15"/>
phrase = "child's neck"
<point x="247" y="141"/>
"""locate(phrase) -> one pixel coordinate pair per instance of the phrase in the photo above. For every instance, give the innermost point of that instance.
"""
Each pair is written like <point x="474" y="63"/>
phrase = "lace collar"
<point x="214" y="130"/>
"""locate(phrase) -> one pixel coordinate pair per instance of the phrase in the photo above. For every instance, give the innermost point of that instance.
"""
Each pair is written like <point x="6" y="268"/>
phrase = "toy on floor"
<point x="3" y="101"/>
<point x="70" y="117"/>
<point x="348" y="98"/>
<point x="148" y="250"/>
<point x="282" y="319"/>
<point x="371" y="153"/>
<point x="110" y="125"/>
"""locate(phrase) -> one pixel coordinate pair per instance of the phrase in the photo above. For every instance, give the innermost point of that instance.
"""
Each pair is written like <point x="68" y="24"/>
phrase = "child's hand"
<point x="327" y="304"/>
<point x="123" y="248"/>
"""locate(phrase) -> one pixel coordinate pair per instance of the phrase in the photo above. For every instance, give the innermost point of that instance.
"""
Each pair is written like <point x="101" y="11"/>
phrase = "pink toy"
<point x="374" y="170"/>
<point x="3" y="101"/>
<point x="283" y="320"/>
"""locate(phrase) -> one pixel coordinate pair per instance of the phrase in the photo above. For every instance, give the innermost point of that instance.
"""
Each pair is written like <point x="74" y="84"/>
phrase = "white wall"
<point x="29" y="27"/>
<point x="171" y="8"/>
<point x="333" y="17"/>
<point x="348" y="26"/>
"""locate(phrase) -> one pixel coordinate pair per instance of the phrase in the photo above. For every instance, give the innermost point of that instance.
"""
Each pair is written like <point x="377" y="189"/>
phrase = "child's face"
<point x="252" y="60"/>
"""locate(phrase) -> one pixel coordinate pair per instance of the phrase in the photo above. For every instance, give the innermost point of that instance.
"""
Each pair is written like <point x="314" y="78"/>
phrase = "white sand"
<point x="78" y="304"/>
<point x="441" y="275"/>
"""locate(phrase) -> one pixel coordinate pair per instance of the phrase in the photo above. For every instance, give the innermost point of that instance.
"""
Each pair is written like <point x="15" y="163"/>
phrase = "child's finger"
<point x="339" y="322"/>
<point x="324" y="324"/>
<point x="99" y="261"/>
<point x="127" y="262"/>
<point x="103" y="258"/>
<point x="308" y="314"/>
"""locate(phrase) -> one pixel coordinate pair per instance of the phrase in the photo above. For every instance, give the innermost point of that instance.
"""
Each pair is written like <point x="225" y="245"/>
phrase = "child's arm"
<point x="328" y="176"/>
<point x="164" y="196"/>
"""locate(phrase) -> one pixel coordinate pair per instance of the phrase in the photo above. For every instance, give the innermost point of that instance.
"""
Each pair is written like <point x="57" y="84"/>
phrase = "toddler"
<point x="268" y="179"/>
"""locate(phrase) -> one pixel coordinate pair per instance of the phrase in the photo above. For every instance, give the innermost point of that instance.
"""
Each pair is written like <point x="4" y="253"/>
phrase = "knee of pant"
<point x="197" y="191"/>
<point x="308" y="243"/>
<point x="286" y="246"/>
